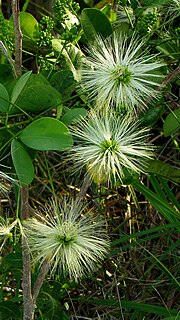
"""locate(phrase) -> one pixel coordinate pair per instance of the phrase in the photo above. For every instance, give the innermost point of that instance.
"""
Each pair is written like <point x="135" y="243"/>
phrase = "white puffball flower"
<point x="118" y="73"/>
<point x="72" y="243"/>
<point x="107" y="144"/>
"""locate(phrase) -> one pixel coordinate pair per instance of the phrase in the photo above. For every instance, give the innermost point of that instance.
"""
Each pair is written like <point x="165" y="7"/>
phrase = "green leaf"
<point x="20" y="86"/>
<point x="172" y="123"/>
<point x="95" y="22"/>
<point x="71" y="54"/>
<point x="47" y="134"/>
<point x="29" y="25"/>
<point x="150" y="116"/>
<point x="37" y="79"/>
<point x="22" y="163"/>
<point x="4" y="99"/>
<point x="140" y="236"/>
<point x="9" y="310"/>
<point x="63" y="82"/>
<point x="38" y="98"/>
<point x="73" y="115"/>
<point x="35" y="95"/>
<point x="164" y="170"/>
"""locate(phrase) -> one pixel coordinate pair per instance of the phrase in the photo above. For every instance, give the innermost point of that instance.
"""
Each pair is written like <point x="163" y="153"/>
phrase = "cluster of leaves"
<point x="36" y="111"/>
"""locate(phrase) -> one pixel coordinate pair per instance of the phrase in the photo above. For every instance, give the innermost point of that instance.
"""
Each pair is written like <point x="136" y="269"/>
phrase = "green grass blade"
<point x="157" y="187"/>
<point x="164" y="269"/>
<point x="148" y="308"/>
<point x="168" y="191"/>
<point x="144" y="232"/>
<point x="164" y="208"/>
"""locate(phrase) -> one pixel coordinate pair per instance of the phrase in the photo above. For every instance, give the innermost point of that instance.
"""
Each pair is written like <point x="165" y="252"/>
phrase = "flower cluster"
<point x="119" y="78"/>
<point x="108" y="143"/>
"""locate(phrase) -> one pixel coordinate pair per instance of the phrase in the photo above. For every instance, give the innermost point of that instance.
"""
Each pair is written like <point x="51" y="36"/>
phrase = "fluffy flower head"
<point x="71" y="243"/>
<point x="117" y="72"/>
<point x="107" y="144"/>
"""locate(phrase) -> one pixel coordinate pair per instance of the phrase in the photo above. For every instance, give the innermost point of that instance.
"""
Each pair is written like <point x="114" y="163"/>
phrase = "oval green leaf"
<point x="63" y="81"/>
<point x="29" y="25"/>
<point x="73" y="115"/>
<point x="47" y="134"/>
<point x="95" y="22"/>
<point x="151" y="116"/>
<point x="70" y="54"/>
<point x="38" y="98"/>
<point x="22" y="163"/>
<point x="4" y="99"/>
<point x="172" y="123"/>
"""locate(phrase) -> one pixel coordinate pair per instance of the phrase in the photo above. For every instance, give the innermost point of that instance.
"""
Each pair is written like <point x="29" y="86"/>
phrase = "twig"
<point x="29" y="300"/>
<point x="170" y="76"/>
<point x="26" y="283"/>
<point x="18" y="37"/>
<point x="40" y="279"/>
<point x="8" y="56"/>
<point x="166" y="80"/>
<point x="84" y="187"/>
<point x="29" y="307"/>
<point x="28" y="312"/>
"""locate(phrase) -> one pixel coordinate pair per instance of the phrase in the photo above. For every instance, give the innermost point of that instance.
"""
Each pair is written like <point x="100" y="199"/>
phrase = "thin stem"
<point x="171" y="76"/>
<point x="26" y="282"/>
<point x="40" y="279"/>
<point x="18" y="37"/>
<point x="84" y="187"/>
<point x="7" y="54"/>
<point x="167" y="80"/>
<point x="50" y="180"/>
<point x="129" y="18"/>
<point x="29" y="307"/>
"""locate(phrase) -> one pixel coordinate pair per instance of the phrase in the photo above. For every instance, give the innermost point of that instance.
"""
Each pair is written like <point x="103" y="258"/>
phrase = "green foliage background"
<point x="140" y="277"/>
